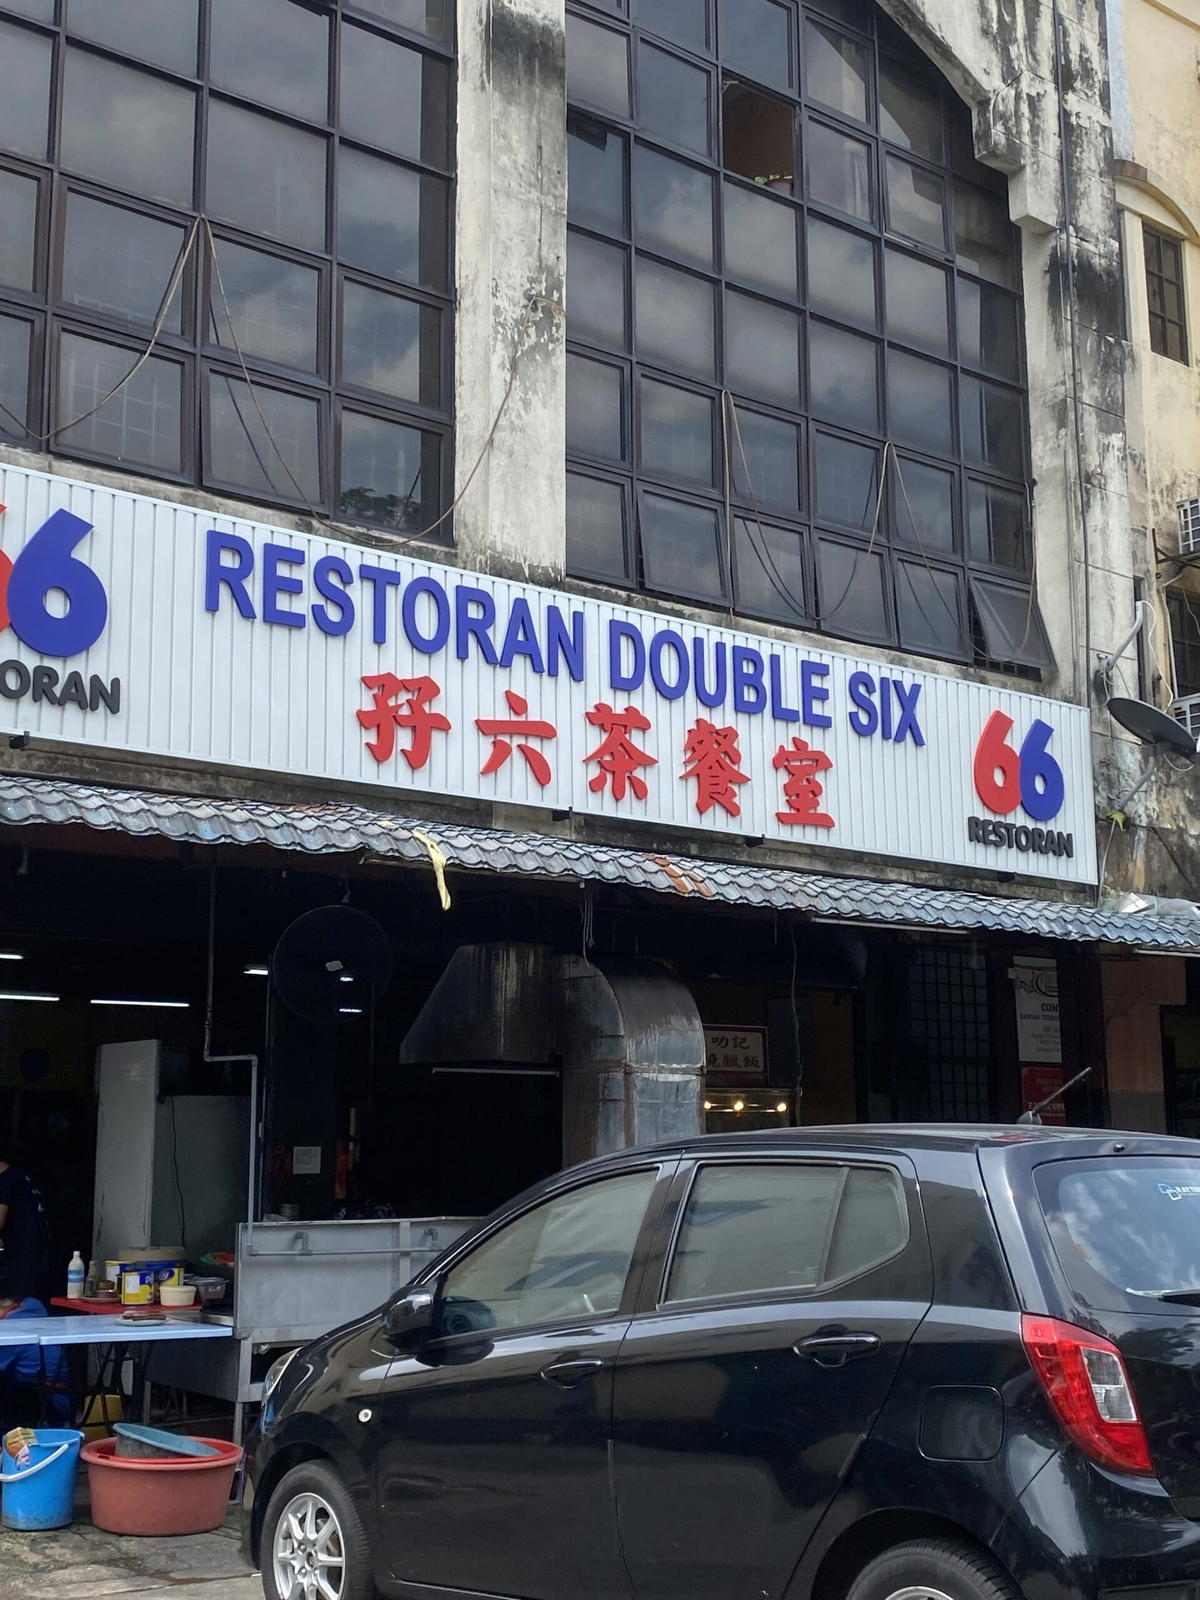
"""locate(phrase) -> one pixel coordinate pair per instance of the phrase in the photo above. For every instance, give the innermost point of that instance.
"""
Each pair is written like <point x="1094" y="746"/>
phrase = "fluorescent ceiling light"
<point x="350" y="1011"/>
<point x="255" y="972"/>
<point x="13" y="994"/>
<point x="166" y="1005"/>
<point x="11" y="955"/>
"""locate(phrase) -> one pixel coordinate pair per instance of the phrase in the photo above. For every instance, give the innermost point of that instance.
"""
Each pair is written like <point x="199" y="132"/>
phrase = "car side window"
<point x="567" y="1257"/>
<point x="761" y="1227"/>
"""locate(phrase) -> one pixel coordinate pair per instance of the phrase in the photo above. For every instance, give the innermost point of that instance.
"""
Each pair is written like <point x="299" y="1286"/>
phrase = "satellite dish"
<point x="1152" y="726"/>
<point x="332" y="965"/>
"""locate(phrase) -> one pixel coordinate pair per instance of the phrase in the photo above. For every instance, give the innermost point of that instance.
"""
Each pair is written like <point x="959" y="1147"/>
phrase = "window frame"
<point x="967" y="364"/>
<point x="686" y="1182"/>
<point x="1166" y="242"/>
<point x="438" y="1273"/>
<point x="194" y="345"/>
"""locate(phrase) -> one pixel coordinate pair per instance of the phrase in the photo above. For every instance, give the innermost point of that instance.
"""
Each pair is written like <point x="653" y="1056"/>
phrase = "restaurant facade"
<point x="553" y="608"/>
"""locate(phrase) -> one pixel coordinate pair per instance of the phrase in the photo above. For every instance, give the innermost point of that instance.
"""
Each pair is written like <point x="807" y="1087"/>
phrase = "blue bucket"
<point x="42" y="1493"/>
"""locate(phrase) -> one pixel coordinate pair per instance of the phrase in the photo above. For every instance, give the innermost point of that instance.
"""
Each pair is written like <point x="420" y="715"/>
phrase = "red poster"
<point x="1038" y="1084"/>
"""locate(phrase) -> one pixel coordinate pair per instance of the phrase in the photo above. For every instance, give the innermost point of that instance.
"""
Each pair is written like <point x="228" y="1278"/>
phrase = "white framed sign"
<point x="134" y="624"/>
<point x="1035" y="991"/>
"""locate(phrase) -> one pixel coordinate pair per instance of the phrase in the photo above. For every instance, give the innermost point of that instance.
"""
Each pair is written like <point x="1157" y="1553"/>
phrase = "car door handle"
<point x="835" y="1349"/>
<point x="568" y="1374"/>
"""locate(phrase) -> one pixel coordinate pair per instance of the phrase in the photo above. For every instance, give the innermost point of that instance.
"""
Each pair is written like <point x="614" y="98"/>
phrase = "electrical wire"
<point x="532" y="304"/>
<point x="181" y="260"/>
<point x="765" y="558"/>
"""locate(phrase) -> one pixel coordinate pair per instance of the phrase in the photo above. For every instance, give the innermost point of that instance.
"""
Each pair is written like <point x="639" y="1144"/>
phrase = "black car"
<point x="879" y="1363"/>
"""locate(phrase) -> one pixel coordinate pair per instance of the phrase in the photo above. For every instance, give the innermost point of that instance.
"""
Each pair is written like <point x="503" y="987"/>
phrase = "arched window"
<point x="796" y="380"/>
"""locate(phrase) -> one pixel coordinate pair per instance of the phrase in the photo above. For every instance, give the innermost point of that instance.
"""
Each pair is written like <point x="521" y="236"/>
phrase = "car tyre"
<point x="932" y="1569"/>
<point x="314" y="1546"/>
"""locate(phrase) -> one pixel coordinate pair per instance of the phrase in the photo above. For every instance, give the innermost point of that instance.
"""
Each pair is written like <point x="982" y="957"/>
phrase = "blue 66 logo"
<point x="46" y="566"/>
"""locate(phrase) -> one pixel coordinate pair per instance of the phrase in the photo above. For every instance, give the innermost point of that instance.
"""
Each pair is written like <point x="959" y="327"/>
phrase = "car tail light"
<point x="1087" y="1385"/>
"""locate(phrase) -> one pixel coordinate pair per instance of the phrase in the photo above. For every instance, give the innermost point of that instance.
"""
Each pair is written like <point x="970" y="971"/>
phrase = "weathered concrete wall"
<point x="511" y="245"/>
<point x="1155" y="848"/>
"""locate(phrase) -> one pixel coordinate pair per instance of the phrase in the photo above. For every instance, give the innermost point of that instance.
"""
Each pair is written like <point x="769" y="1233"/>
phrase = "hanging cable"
<point x="181" y="261"/>
<point x="533" y="303"/>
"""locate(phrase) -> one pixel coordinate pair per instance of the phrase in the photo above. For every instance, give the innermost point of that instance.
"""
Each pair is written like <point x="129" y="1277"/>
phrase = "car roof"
<point x="901" y="1137"/>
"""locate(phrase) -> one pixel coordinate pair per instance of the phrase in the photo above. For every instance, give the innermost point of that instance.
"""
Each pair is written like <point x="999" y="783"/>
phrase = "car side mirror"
<point x="408" y="1321"/>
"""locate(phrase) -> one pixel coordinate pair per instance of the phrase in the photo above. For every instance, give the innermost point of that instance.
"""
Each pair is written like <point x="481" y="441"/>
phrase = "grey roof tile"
<point x="337" y="827"/>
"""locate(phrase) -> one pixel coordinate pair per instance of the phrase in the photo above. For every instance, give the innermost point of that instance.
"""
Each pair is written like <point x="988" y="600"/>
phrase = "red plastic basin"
<point x="134" y="1495"/>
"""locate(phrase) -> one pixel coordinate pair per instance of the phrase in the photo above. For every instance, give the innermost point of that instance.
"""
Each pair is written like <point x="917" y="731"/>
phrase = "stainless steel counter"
<point x="295" y="1281"/>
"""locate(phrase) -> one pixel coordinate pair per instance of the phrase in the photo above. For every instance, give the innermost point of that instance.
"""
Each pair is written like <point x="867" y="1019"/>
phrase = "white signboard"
<point x="138" y="625"/>
<point x="1035" y="986"/>
<point x="735" y="1054"/>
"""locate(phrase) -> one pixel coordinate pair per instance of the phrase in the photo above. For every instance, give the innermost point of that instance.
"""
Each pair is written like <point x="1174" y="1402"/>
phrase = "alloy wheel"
<point x="308" y="1553"/>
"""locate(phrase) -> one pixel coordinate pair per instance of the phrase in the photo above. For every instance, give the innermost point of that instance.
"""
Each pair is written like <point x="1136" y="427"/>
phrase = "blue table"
<point x="109" y="1330"/>
<point x="114" y="1336"/>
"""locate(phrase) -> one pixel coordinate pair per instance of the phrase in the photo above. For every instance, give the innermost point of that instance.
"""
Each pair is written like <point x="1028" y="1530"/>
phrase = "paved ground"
<point x="81" y="1563"/>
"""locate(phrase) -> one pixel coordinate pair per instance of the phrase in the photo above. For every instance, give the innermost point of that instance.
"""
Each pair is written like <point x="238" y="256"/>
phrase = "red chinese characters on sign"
<point x="389" y="712"/>
<point x="802" y="788"/>
<point x="711" y="756"/>
<point x="502" y="730"/>
<point x="617" y="757"/>
<point x="1040" y="1085"/>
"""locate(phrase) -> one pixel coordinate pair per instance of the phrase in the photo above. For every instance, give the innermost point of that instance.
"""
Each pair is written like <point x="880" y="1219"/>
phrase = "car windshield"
<point x="1124" y="1228"/>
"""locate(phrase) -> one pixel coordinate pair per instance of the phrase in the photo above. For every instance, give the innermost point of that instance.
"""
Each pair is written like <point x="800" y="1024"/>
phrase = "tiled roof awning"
<point x="339" y="828"/>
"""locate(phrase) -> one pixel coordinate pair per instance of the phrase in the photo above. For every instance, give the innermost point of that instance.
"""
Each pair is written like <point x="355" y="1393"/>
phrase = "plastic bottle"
<point x="92" y="1282"/>
<point x="76" y="1272"/>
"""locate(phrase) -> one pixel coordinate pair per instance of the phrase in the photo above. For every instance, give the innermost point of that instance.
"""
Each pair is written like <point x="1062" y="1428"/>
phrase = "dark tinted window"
<point x="267" y="184"/>
<point x="147" y="29"/>
<point x="25" y="102"/>
<point x="1124" y="1228"/>
<point x="18" y="229"/>
<point x="775" y="214"/>
<point x="764" y="1227"/>
<point x="567" y="1257"/>
<point x="102" y="102"/>
<point x="274" y="52"/>
<point x="1164" y="292"/>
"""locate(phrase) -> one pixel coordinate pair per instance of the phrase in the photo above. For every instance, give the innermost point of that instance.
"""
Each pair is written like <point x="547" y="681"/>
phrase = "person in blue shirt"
<point x="34" y="1383"/>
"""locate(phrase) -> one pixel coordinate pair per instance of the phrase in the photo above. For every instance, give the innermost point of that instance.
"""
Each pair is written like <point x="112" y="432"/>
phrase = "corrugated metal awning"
<point x="335" y="827"/>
